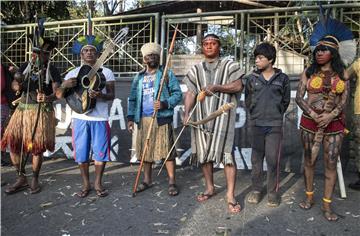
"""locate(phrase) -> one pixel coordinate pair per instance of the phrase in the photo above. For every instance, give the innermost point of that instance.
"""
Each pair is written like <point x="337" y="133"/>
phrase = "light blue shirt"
<point x="148" y="95"/>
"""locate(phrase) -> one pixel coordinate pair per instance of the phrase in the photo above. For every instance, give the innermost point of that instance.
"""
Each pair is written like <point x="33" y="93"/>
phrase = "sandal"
<point x="173" y="190"/>
<point x="83" y="193"/>
<point x="143" y="186"/>
<point x="14" y="189"/>
<point x="36" y="190"/>
<point x="202" y="197"/>
<point x="254" y="197"/>
<point x="234" y="207"/>
<point x="273" y="200"/>
<point x="101" y="192"/>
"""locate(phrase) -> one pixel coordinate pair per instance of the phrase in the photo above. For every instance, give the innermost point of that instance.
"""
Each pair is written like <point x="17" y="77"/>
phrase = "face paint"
<point x="211" y="48"/>
<point x="152" y="60"/>
<point x="323" y="56"/>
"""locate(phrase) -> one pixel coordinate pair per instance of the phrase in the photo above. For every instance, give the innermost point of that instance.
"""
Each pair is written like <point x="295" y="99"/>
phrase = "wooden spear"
<point x="163" y="79"/>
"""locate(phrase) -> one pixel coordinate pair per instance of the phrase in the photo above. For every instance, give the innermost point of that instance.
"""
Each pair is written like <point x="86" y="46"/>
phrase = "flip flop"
<point x="234" y="207"/>
<point x="83" y="193"/>
<point x="36" y="190"/>
<point x="204" y="196"/>
<point x="142" y="187"/>
<point x="101" y="192"/>
<point x="173" y="190"/>
<point x="12" y="189"/>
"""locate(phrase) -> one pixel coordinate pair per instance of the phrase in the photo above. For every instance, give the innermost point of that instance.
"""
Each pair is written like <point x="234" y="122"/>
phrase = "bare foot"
<point x="328" y="213"/>
<point x="234" y="207"/>
<point x="306" y="204"/>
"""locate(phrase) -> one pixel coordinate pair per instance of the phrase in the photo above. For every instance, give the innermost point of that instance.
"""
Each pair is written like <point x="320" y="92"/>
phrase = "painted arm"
<point x="300" y="93"/>
<point x="325" y="118"/>
<point x="342" y="103"/>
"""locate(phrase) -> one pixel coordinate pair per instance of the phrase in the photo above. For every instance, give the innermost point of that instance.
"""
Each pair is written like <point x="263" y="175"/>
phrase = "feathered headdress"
<point x="332" y="33"/>
<point x="94" y="41"/>
<point x="41" y="45"/>
<point x="38" y="40"/>
<point x="87" y="40"/>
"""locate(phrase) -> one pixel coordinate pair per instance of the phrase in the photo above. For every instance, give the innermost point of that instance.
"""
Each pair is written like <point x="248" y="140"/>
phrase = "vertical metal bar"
<point x="157" y="16"/>
<point x="276" y="32"/>
<point x="247" y="68"/>
<point x="342" y="14"/>
<point x="276" y="29"/>
<point x="242" y="39"/>
<point x="236" y="37"/>
<point x="162" y="43"/>
<point x="198" y="34"/>
<point x="151" y="30"/>
<point x="26" y="45"/>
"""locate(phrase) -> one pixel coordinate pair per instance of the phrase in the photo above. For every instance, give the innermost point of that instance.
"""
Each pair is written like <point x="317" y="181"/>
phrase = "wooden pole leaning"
<point x="153" y="117"/>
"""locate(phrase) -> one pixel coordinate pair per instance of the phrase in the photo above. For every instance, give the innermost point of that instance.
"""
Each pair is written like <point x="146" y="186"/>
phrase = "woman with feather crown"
<point x="322" y="121"/>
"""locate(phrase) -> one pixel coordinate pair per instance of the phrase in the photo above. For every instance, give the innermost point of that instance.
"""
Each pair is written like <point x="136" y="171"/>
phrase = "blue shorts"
<point x="91" y="134"/>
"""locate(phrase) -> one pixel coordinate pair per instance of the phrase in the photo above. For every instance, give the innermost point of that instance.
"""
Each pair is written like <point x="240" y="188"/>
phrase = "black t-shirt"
<point x="34" y="83"/>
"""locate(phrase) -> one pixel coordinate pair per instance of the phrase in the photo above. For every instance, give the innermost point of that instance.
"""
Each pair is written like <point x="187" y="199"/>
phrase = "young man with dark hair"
<point x="267" y="96"/>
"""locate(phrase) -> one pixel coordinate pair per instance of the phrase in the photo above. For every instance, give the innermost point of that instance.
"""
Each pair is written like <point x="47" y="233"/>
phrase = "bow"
<point x="200" y="97"/>
<point x="224" y="108"/>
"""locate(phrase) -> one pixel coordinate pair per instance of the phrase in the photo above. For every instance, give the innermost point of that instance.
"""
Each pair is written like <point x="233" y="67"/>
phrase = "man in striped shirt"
<point x="213" y="142"/>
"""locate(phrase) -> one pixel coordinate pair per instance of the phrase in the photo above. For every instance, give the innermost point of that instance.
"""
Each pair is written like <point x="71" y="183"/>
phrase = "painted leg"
<point x="309" y="166"/>
<point x="332" y="145"/>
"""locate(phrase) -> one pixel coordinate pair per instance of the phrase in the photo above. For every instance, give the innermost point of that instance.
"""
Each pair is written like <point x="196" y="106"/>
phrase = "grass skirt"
<point x="21" y="125"/>
<point x="161" y="140"/>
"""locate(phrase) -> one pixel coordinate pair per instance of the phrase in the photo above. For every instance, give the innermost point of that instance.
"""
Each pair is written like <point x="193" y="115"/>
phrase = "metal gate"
<point x="287" y="28"/>
<point x="125" y="60"/>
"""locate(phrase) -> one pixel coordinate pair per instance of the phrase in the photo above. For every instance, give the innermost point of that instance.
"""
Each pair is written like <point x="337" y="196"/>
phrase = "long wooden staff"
<point x="164" y="75"/>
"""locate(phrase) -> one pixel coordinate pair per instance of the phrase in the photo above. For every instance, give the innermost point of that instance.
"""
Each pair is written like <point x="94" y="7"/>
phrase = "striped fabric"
<point x="216" y="145"/>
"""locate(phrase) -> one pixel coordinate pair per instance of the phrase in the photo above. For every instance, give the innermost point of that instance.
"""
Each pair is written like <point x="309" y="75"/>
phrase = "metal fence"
<point x="125" y="60"/>
<point x="288" y="29"/>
